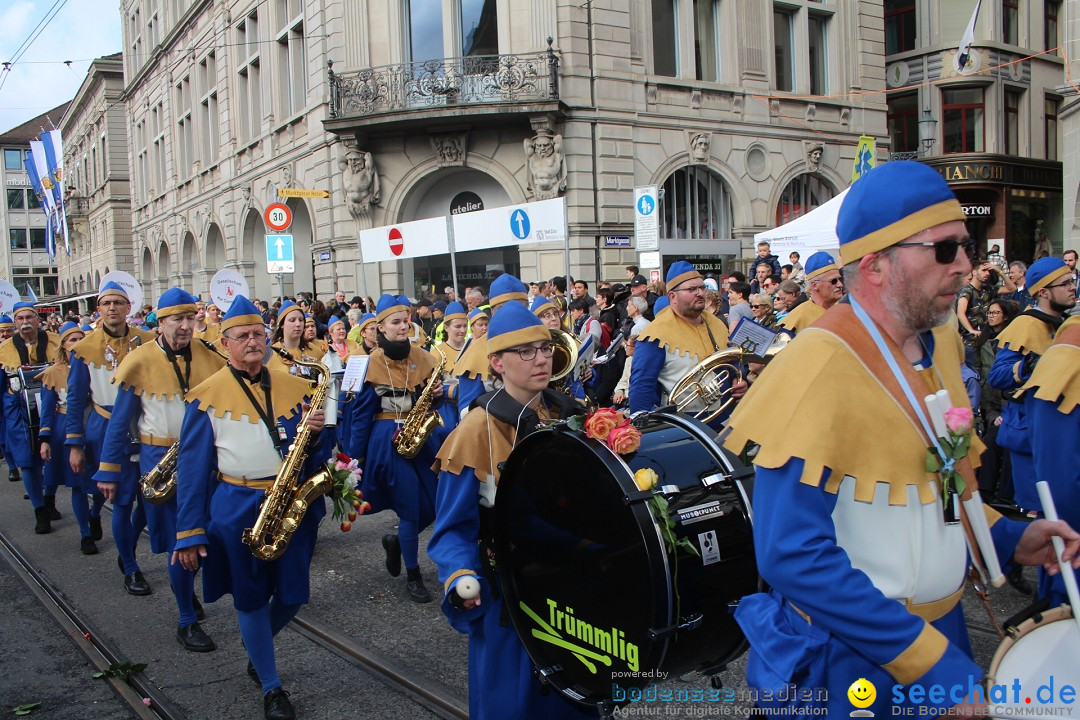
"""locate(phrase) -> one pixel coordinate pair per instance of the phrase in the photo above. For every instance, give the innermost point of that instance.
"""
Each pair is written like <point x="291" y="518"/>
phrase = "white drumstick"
<point x="981" y="530"/>
<point x="1066" y="570"/>
<point x="1016" y="710"/>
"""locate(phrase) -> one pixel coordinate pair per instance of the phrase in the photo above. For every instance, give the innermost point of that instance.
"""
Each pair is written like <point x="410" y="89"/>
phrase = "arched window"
<point x="802" y="194"/>
<point x="695" y="205"/>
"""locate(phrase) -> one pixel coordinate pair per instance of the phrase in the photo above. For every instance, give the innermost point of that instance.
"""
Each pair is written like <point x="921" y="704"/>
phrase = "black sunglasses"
<point x="944" y="251"/>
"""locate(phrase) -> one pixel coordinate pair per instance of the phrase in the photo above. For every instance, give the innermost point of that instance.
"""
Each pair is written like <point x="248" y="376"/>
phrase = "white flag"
<point x="963" y="53"/>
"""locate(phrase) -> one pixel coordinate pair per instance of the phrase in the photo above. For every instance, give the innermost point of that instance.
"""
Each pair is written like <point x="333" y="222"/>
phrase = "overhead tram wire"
<point x="34" y="35"/>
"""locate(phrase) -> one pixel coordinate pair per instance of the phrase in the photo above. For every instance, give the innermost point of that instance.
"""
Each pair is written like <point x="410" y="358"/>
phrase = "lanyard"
<point x="185" y="379"/>
<point x="276" y="431"/>
<point x="712" y="339"/>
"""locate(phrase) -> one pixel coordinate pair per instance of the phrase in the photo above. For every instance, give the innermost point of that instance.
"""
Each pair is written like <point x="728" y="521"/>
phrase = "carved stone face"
<point x="356" y="162"/>
<point x="544" y="146"/>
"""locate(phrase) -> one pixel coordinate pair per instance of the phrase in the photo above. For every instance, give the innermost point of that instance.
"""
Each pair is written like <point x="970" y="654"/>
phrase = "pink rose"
<point x="959" y="420"/>
<point x="598" y="425"/>
<point x="624" y="439"/>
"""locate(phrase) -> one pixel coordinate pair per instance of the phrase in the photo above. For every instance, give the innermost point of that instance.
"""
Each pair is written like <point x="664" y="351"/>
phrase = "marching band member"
<point x="417" y="335"/>
<point x="501" y="678"/>
<point x="7" y="329"/>
<point x="54" y="453"/>
<point x="548" y="313"/>
<point x="366" y="334"/>
<point x="472" y="368"/>
<point x="289" y="336"/>
<point x="318" y="346"/>
<point x="204" y="328"/>
<point x="478" y="323"/>
<point x="340" y="349"/>
<point x="153" y="380"/>
<point x="676" y="341"/>
<point x="91" y="394"/>
<point x="396" y="374"/>
<point x="1051" y="400"/>
<point x="454" y="326"/>
<point x="30" y="345"/>
<point x="1021" y="344"/>
<point x="838" y="513"/>
<point x="237" y="426"/>
<point x="826" y="288"/>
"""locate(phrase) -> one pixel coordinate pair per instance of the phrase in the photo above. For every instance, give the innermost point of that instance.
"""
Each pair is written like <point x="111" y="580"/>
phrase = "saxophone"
<point x="421" y="420"/>
<point x="159" y="485"/>
<point x="289" y="497"/>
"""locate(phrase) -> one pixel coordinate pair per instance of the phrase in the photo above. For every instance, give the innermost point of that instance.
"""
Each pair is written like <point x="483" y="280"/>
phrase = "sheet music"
<point x="752" y="337"/>
<point x="355" y="372"/>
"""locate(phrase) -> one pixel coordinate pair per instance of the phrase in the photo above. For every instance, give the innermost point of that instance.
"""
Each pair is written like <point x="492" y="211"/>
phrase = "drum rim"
<point x="1055" y="614"/>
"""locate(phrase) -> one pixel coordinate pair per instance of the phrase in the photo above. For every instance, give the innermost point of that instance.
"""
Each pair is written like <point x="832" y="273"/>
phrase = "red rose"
<point x="624" y="439"/>
<point x="598" y="425"/>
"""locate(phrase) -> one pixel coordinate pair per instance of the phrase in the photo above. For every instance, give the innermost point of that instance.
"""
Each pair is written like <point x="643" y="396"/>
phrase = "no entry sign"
<point x="397" y="242"/>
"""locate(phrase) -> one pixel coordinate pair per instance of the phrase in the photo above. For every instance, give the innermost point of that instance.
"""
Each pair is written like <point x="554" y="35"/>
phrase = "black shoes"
<point x="41" y="518"/>
<point x="194" y="639"/>
<point x="276" y="705"/>
<point x="50" y="505"/>
<point x="200" y="614"/>
<point x="13" y="475"/>
<point x="95" y="529"/>
<point x="415" y="587"/>
<point x="87" y="546"/>
<point x="136" y="584"/>
<point x="392" y="546"/>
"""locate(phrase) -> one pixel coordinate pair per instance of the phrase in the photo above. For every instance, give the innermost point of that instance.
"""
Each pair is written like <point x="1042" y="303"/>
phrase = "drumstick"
<point x="1066" y="570"/>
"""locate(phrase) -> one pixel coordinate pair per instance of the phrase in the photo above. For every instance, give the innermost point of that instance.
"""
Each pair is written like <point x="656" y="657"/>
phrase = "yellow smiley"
<point x="862" y="693"/>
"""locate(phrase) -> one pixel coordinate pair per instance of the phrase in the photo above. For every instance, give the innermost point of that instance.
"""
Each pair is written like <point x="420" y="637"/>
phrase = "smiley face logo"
<point x="862" y="693"/>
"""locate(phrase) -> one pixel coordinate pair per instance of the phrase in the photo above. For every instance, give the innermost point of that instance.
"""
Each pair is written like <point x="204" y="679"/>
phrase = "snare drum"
<point x="1042" y="646"/>
<point x="592" y="592"/>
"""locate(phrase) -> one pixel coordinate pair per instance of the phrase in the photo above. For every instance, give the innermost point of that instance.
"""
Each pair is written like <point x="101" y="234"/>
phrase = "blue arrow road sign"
<point x="279" y="254"/>
<point x="519" y="224"/>
<point x="646" y="204"/>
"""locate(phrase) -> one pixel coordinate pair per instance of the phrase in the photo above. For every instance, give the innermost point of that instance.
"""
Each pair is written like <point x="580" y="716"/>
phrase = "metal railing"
<point x="472" y="80"/>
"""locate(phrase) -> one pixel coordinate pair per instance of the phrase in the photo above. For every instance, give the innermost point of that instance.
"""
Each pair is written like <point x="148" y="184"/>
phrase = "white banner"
<point x="131" y="287"/>
<point x="419" y="238"/>
<point x="535" y="222"/>
<point x="8" y="297"/>
<point x="225" y="286"/>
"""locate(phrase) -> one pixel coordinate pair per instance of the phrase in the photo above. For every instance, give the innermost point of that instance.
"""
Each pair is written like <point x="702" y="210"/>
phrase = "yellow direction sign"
<point x="300" y="192"/>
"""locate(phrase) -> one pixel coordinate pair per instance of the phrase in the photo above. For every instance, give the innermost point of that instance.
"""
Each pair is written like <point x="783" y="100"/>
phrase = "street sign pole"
<point x="453" y="259"/>
<point x="566" y="244"/>
<point x="363" y="272"/>
<point x="281" y="285"/>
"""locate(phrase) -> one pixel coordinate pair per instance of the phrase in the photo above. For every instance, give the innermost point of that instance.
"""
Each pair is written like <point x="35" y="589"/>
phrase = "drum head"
<point x="1042" y="650"/>
<point x="585" y="576"/>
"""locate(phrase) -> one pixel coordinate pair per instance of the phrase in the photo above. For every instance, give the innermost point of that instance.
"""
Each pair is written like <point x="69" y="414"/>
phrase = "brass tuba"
<point x="563" y="360"/>
<point x="421" y="420"/>
<point x="289" y="497"/>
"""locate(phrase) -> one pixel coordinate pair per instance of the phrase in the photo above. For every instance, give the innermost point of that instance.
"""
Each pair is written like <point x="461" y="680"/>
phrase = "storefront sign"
<point x="616" y="241"/>
<point x="1001" y="172"/>
<point x="978" y="210"/>
<point x="465" y="202"/>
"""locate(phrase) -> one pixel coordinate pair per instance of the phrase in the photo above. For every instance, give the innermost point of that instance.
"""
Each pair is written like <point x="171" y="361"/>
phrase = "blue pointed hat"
<point x="69" y="327"/>
<point x="175" y="301"/>
<point x="389" y="305"/>
<point x="1044" y="271"/>
<point x="454" y="311"/>
<point x="88" y="328"/>
<point x="23" y="305"/>
<point x="819" y="263"/>
<point x="404" y="301"/>
<point x="112" y="289"/>
<point x="541" y="305"/>
<point x="334" y="320"/>
<point x="514" y="325"/>
<point x="241" y="312"/>
<point x="892" y="202"/>
<point x="505" y="288"/>
<point x="661" y="304"/>
<point x="476" y="314"/>
<point x="365" y="320"/>
<point x="286" y="307"/>
<point x="679" y="272"/>
<point x="6" y="321"/>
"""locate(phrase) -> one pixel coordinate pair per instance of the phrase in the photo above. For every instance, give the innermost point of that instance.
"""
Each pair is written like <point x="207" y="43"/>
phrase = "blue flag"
<point x="35" y="183"/>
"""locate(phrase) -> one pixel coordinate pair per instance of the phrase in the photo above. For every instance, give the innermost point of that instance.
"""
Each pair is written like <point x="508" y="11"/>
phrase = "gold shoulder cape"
<point x="802" y="317"/>
<point x="474" y="361"/>
<point x="1057" y="374"/>
<point x="148" y="372"/>
<point x="452" y="357"/>
<point x="211" y="333"/>
<point x="467" y="446"/>
<point x="56" y="377"/>
<point x="9" y="355"/>
<point x="1026" y="333"/>
<point x="220" y="394"/>
<point x="384" y="371"/>
<point x="91" y="349"/>
<point x="675" y="335"/>
<point x="830" y="399"/>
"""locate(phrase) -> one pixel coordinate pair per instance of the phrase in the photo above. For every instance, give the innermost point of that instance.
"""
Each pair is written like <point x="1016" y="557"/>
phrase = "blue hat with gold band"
<point x="23" y="305"/>
<point x="308" y="320"/>
<point x="1043" y="272"/>
<point x="404" y="301"/>
<point x="6" y="321"/>
<point x="286" y="307"/>
<point x="334" y="320"/>
<point x="541" y="305"/>
<point x="679" y="272"/>
<point x="389" y="305"/>
<point x="69" y="327"/>
<point x="514" y="325"/>
<point x="112" y="289"/>
<point x="505" y="288"/>
<point x="88" y="328"/>
<point x="454" y="311"/>
<point x="365" y="320"/>
<point x="917" y="196"/>
<point x="819" y="263"/>
<point x="175" y="301"/>
<point x="661" y="303"/>
<point x="241" y="312"/>
<point x="476" y="314"/>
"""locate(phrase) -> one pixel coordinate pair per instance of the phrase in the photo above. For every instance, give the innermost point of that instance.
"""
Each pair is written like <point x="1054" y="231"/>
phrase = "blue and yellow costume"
<point x="149" y="404"/>
<point x="669" y="347"/>
<point x="448" y="408"/>
<point x="391" y="481"/>
<point x="342" y="353"/>
<point x="501" y="680"/>
<point x="356" y="335"/>
<point x="304" y="351"/>
<point x="472" y="370"/>
<point x="21" y="449"/>
<point x="228" y="459"/>
<point x="8" y="325"/>
<point x="865" y="576"/>
<point x="1051" y="399"/>
<point x="807" y="313"/>
<point x="573" y="383"/>
<point x="1022" y="343"/>
<point x="53" y="423"/>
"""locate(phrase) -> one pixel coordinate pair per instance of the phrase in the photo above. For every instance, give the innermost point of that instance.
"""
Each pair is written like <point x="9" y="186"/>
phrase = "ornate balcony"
<point x="473" y="85"/>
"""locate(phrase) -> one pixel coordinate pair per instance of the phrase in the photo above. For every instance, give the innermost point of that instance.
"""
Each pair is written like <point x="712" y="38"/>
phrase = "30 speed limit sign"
<point x="277" y="216"/>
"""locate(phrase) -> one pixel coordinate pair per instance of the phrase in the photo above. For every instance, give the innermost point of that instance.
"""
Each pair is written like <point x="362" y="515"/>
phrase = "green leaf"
<point x="932" y="462"/>
<point x="962" y="447"/>
<point x="26" y="708"/>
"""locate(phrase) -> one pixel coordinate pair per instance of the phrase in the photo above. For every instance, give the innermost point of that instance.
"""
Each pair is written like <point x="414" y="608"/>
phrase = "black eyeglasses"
<point x="697" y="289"/>
<point x="833" y="281"/>
<point x="944" y="251"/>
<point x="528" y="352"/>
<point x="1071" y="282"/>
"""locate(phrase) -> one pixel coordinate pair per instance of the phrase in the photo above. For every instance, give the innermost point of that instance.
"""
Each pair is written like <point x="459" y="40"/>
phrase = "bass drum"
<point x="592" y="592"/>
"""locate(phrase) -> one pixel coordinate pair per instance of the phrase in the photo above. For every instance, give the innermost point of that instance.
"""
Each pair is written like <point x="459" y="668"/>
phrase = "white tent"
<point x="806" y="234"/>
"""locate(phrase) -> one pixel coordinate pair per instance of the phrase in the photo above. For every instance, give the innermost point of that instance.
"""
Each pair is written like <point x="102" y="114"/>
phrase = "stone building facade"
<point x="410" y="109"/>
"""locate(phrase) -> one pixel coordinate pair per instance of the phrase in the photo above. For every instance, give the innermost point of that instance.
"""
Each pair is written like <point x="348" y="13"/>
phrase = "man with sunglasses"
<point x="826" y="288"/>
<point x="1021" y="344"/>
<point x="675" y="342"/>
<point x="865" y="568"/>
<point x="501" y="678"/>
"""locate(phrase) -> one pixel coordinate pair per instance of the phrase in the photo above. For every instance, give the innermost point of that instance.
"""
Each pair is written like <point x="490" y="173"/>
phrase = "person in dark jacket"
<point x="765" y="256"/>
